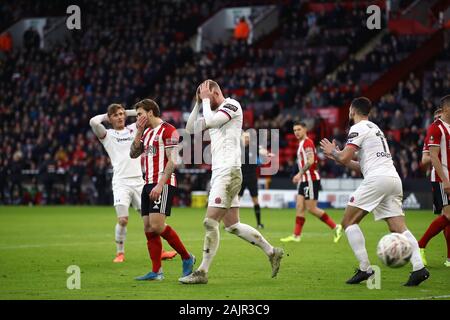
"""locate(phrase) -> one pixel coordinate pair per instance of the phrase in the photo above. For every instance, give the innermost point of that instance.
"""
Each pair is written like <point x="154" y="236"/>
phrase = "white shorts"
<point x="381" y="195"/>
<point x="225" y="186"/>
<point x="128" y="192"/>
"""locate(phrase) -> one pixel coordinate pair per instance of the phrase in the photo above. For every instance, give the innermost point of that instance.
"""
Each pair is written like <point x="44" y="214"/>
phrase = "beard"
<point x="351" y="122"/>
<point x="214" y="105"/>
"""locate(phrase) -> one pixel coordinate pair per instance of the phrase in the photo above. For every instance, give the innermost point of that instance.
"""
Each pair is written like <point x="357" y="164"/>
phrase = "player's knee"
<point x="346" y="223"/>
<point x="233" y="228"/>
<point x="210" y="224"/>
<point x="123" y="221"/>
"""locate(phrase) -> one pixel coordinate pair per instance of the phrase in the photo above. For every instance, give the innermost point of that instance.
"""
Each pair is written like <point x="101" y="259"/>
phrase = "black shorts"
<point x="250" y="182"/>
<point x="163" y="205"/>
<point x="440" y="198"/>
<point x="309" y="189"/>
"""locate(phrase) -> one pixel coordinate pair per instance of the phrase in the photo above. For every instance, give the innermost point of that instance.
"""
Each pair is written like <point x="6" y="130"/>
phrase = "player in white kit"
<point x="127" y="182"/>
<point x="380" y="192"/>
<point x="223" y="118"/>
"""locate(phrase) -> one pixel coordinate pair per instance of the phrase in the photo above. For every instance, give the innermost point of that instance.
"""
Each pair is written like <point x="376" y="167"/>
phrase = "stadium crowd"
<point x="48" y="153"/>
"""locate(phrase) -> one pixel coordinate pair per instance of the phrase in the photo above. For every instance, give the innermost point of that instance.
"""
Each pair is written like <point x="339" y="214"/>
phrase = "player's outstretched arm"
<point x="343" y="157"/>
<point x="265" y="153"/>
<point x="97" y="126"/>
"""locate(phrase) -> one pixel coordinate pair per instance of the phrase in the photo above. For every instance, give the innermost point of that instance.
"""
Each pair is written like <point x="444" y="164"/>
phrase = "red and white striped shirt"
<point x="307" y="146"/>
<point x="154" y="159"/>
<point x="438" y="134"/>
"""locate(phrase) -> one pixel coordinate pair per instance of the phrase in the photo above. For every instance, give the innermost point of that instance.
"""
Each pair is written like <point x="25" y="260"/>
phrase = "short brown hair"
<point x="147" y="105"/>
<point x="362" y="105"/>
<point x="300" y="123"/>
<point x="445" y="101"/>
<point x="112" y="108"/>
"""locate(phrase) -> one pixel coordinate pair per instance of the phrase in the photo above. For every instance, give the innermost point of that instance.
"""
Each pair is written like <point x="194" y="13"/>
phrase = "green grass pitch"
<point x="37" y="244"/>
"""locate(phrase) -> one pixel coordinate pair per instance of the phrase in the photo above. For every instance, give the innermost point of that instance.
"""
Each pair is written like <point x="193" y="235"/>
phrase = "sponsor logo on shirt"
<point x="124" y="139"/>
<point x="383" y="154"/>
<point x="231" y="107"/>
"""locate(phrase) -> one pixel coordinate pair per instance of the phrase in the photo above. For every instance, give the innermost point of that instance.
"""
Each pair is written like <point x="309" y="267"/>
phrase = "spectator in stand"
<point x="242" y="30"/>
<point x="6" y="42"/>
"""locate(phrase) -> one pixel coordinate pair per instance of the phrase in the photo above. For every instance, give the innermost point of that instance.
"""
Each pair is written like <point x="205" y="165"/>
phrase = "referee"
<point x="249" y="176"/>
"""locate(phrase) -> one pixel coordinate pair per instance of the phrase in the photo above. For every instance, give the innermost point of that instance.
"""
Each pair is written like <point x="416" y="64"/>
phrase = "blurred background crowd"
<point x="131" y="49"/>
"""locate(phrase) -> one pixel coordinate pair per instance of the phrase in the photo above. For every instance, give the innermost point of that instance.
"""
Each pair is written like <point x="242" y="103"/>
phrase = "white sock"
<point x="358" y="243"/>
<point x="211" y="243"/>
<point x="121" y="235"/>
<point x="250" y="234"/>
<point x="416" y="260"/>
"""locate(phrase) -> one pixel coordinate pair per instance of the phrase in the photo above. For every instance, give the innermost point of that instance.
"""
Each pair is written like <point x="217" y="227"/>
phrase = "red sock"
<point x="325" y="218"/>
<point x="175" y="242"/>
<point x="154" y="246"/>
<point x="435" y="227"/>
<point x="447" y="239"/>
<point x="299" y="222"/>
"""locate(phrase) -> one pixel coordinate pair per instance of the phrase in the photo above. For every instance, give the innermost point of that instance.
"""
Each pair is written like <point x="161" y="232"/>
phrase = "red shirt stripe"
<point x="305" y="146"/>
<point x="155" y="142"/>
<point x="438" y="135"/>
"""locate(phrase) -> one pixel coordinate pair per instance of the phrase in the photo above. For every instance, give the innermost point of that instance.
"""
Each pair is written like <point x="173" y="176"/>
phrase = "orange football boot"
<point x="120" y="257"/>
<point x="168" y="255"/>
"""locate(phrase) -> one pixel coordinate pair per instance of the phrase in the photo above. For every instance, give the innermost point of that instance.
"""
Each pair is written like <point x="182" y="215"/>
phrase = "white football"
<point x="394" y="250"/>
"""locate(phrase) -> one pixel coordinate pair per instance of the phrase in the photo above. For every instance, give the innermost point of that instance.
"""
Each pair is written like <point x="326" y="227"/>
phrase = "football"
<point x="394" y="250"/>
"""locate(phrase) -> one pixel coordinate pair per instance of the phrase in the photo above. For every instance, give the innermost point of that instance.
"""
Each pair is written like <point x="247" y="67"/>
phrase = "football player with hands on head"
<point x="223" y="118"/>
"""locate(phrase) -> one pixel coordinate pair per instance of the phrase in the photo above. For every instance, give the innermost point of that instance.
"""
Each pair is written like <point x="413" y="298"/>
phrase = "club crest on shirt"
<point x="150" y="151"/>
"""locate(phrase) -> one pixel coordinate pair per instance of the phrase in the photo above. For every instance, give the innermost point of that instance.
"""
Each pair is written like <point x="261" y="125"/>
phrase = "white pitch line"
<point x="428" y="298"/>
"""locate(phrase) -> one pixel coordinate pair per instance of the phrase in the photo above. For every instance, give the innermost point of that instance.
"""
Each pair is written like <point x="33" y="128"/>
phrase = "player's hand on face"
<point x="205" y="91"/>
<point x="141" y="123"/>
<point x="156" y="192"/>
